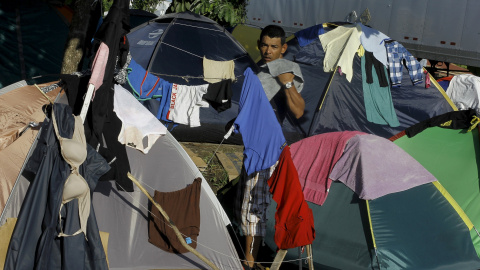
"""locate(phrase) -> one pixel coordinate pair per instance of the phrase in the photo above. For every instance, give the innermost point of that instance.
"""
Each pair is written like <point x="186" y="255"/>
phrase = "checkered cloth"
<point x="253" y="199"/>
<point x="396" y="53"/>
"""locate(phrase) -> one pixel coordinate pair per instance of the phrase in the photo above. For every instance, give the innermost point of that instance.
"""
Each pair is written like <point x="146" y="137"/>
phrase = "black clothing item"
<point x="112" y="32"/>
<point x="451" y="120"/>
<point x="217" y="93"/>
<point x="370" y="61"/>
<point x="34" y="243"/>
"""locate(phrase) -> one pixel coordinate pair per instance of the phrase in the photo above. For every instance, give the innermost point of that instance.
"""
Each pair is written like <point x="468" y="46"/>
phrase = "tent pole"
<point x="175" y="229"/>
<point x="278" y="259"/>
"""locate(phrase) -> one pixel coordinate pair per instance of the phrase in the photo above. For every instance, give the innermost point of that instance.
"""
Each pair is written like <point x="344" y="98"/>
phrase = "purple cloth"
<point x="314" y="158"/>
<point x="373" y="166"/>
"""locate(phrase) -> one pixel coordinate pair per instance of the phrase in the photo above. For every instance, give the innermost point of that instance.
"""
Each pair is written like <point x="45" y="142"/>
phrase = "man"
<point x="282" y="82"/>
<point x="272" y="46"/>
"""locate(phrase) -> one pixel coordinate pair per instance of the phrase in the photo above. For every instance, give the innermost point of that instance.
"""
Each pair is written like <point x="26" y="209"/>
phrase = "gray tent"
<point x="125" y="216"/>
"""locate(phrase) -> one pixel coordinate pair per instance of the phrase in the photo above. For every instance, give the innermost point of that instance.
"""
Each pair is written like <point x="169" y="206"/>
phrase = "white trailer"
<point x="442" y="30"/>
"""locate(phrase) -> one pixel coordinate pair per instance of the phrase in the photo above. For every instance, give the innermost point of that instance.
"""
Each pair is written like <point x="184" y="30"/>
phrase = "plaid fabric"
<point x="396" y="53"/>
<point x="253" y="199"/>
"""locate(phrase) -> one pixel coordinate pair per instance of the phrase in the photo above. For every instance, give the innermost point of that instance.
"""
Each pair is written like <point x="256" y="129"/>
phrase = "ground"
<point x="215" y="174"/>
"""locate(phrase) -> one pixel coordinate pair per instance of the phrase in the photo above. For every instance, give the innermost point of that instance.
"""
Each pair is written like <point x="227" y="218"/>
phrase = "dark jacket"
<point x="34" y="243"/>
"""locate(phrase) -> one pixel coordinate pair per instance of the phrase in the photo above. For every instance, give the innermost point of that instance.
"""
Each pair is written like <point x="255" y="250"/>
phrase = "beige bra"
<point x="74" y="151"/>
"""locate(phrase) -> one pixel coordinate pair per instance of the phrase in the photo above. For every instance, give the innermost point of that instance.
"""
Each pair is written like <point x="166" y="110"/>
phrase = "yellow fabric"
<point x="248" y="36"/>
<point x="104" y="238"/>
<point x="215" y="71"/>
<point x="6" y="231"/>
<point x="340" y="46"/>
<point x="455" y="205"/>
<point x="440" y="89"/>
<point x="361" y="51"/>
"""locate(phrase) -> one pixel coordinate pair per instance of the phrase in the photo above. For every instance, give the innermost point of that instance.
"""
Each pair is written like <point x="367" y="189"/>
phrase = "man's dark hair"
<point x="273" y="31"/>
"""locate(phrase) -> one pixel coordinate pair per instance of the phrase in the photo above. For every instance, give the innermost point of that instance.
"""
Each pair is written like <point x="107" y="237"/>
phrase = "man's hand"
<point x="295" y="102"/>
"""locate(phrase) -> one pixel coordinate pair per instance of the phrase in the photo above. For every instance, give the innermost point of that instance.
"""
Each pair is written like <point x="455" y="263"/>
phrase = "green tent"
<point x="453" y="157"/>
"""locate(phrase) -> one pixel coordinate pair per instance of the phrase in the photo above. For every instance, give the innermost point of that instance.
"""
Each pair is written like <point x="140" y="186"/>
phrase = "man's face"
<point x="271" y="48"/>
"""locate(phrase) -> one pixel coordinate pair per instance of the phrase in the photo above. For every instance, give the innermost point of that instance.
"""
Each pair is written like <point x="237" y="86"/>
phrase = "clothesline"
<point x="198" y="243"/>
<point x="198" y="55"/>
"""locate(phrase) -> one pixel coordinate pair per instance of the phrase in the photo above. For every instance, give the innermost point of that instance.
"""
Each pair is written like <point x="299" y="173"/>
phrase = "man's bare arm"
<point x="295" y="102"/>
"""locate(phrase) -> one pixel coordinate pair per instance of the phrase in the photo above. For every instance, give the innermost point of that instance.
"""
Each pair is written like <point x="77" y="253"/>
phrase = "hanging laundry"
<point x="137" y="121"/>
<point x="464" y="91"/>
<point x="451" y="120"/>
<point x="144" y="84"/>
<point x="183" y="209"/>
<point x="308" y="35"/>
<point x="396" y="54"/>
<point x="74" y="152"/>
<point x="185" y="103"/>
<point x="314" y="158"/>
<point x="293" y="217"/>
<point x="35" y="243"/>
<point x="219" y="95"/>
<point x="373" y="41"/>
<point x="166" y="91"/>
<point x="377" y="99"/>
<point x="261" y="133"/>
<point x="98" y="65"/>
<point x="373" y="166"/>
<point x="215" y="71"/>
<point x="340" y="46"/>
<point x="380" y="69"/>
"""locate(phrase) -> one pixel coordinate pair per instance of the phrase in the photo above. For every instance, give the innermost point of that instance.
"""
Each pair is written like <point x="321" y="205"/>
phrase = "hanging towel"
<point x="373" y="166"/>
<point x="340" y="46"/>
<point x="269" y="72"/>
<point x="185" y="103"/>
<point x="215" y="71"/>
<point x="314" y="158"/>
<point x="261" y="133"/>
<point x="137" y="121"/>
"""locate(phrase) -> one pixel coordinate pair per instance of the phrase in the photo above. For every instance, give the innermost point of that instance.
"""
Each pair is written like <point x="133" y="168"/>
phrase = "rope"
<point x="199" y="27"/>
<point x="198" y="243"/>
<point x="201" y="57"/>
<point x="45" y="95"/>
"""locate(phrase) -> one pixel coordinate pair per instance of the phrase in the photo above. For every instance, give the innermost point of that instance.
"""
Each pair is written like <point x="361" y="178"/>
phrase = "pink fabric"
<point x="373" y="166"/>
<point x="98" y="66"/>
<point x="314" y="158"/>
<point x="427" y="79"/>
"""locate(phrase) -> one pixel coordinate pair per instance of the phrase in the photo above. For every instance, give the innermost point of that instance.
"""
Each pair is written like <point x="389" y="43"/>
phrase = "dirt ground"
<point x="215" y="174"/>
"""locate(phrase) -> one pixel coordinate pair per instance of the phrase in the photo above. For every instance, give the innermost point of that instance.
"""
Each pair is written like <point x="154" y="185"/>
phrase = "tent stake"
<point x="175" y="229"/>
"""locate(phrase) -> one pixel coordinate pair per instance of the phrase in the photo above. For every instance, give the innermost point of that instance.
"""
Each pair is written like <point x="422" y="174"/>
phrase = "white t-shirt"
<point x="185" y="103"/>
